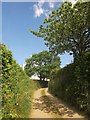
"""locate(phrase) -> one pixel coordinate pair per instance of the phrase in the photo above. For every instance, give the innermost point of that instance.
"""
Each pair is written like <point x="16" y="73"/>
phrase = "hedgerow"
<point x="72" y="83"/>
<point x="17" y="88"/>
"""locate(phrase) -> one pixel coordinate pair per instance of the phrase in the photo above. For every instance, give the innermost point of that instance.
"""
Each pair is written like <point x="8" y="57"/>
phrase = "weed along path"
<point x="45" y="105"/>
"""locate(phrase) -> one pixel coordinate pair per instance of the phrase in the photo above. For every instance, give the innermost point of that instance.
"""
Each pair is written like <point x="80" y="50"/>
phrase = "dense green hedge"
<point x="17" y="88"/>
<point x="72" y="83"/>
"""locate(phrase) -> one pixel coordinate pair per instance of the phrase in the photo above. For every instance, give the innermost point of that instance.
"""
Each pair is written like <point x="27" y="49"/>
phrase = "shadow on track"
<point x="43" y="103"/>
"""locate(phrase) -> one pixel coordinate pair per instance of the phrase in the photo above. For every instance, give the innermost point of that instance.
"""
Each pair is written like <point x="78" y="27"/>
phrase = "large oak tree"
<point x="67" y="29"/>
<point x="41" y="64"/>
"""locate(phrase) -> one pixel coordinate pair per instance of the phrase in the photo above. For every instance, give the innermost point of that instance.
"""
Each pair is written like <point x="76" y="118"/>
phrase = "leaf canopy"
<point x="67" y="29"/>
<point x="41" y="64"/>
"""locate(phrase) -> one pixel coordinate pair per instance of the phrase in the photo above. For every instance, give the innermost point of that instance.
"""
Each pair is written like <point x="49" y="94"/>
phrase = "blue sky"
<point x="17" y="18"/>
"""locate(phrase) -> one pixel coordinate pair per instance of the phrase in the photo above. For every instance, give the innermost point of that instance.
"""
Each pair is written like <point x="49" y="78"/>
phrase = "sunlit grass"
<point x="24" y="100"/>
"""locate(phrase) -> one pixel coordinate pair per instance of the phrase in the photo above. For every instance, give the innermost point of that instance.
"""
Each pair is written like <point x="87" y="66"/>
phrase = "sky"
<point x="17" y="18"/>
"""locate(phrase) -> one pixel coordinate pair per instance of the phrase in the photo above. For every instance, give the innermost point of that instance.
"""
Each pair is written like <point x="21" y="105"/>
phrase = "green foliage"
<point x="82" y="72"/>
<point x="61" y="79"/>
<point x="72" y="83"/>
<point x="41" y="64"/>
<point x="54" y="76"/>
<point x="67" y="29"/>
<point x="41" y="84"/>
<point x="17" y="88"/>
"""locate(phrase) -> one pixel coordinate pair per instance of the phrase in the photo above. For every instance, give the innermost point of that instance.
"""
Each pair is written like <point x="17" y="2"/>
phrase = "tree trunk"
<point x="40" y="77"/>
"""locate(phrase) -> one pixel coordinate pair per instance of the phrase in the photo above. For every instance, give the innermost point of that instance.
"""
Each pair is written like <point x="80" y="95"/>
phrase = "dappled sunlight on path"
<point x="47" y="106"/>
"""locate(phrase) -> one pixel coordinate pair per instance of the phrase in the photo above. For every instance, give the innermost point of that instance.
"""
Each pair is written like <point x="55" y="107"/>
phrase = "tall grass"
<point x="24" y="98"/>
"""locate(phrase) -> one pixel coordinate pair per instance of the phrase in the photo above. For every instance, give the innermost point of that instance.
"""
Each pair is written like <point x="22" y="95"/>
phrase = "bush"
<point x="53" y="81"/>
<point x="82" y="72"/>
<point x="17" y="88"/>
<point x="72" y="83"/>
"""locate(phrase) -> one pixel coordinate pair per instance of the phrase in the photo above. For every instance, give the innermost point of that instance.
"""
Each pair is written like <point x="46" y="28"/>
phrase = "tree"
<point x="41" y="64"/>
<point x="67" y="29"/>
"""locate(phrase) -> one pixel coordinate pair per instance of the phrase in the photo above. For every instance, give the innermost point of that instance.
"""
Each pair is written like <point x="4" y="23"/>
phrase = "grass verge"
<point x="24" y="98"/>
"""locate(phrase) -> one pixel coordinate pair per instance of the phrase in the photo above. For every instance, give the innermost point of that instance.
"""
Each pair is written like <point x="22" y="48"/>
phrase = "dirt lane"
<point x="45" y="105"/>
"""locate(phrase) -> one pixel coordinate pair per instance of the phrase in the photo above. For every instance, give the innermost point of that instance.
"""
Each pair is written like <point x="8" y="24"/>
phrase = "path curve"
<point x="44" y="105"/>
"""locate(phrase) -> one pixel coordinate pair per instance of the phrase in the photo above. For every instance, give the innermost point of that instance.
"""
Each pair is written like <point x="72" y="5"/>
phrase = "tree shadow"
<point x="47" y="105"/>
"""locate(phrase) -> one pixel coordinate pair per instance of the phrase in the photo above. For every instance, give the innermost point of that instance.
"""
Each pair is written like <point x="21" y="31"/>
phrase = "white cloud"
<point x="38" y="10"/>
<point x="51" y="5"/>
<point x="72" y="1"/>
<point x="41" y="2"/>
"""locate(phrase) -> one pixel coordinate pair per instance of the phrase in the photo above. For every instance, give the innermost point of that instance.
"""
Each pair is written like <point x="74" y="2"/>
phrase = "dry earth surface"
<point x="45" y="105"/>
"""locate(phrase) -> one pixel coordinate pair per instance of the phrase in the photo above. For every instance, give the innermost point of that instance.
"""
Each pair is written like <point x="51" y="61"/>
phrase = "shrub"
<point x="72" y="83"/>
<point x="17" y="88"/>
